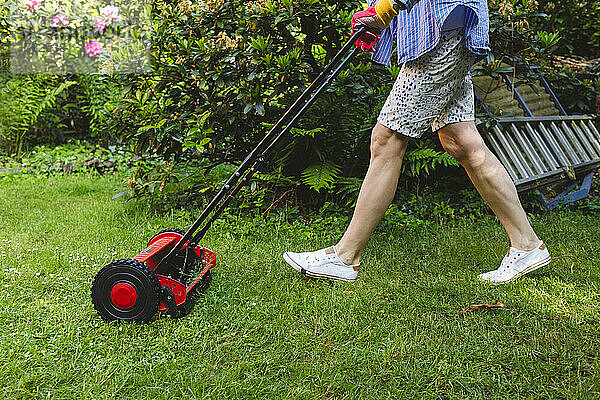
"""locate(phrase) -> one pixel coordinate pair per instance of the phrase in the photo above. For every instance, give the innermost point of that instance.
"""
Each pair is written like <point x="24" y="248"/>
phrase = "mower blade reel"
<point x="174" y="276"/>
<point x="177" y="289"/>
<point x="169" y="299"/>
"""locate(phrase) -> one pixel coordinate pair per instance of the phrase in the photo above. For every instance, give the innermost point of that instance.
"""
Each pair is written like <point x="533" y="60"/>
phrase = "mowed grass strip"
<point x="263" y="331"/>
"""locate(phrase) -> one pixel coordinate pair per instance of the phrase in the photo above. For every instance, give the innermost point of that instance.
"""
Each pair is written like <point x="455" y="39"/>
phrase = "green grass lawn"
<point x="263" y="331"/>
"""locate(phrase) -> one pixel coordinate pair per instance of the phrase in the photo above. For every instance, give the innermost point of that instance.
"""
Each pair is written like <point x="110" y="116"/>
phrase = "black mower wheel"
<point x="126" y="290"/>
<point x="179" y="231"/>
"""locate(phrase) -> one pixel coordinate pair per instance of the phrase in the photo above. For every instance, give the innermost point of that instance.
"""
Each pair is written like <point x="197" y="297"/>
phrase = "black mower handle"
<point x="248" y="174"/>
<point x="248" y="167"/>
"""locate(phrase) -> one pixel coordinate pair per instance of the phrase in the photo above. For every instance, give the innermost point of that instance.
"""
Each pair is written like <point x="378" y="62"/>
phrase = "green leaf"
<point x="321" y="175"/>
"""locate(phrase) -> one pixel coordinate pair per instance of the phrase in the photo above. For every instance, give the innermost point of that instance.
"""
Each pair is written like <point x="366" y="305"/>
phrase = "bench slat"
<point x="565" y="144"/>
<point x="576" y="143"/>
<point x="541" y="145"/>
<point x="509" y="146"/>
<point x="527" y="149"/>
<point x="562" y="159"/>
<point x="502" y="156"/>
<point x="592" y="134"/>
<point x="585" y="142"/>
<point x="538" y="150"/>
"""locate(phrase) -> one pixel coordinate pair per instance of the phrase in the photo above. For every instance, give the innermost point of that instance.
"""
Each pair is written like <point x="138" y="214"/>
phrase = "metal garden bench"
<point x="540" y="150"/>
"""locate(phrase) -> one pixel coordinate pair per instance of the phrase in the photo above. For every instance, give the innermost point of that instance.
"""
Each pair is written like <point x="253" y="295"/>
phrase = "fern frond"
<point x="306" y="132"/>
<point x="321" y="175"/>
<point x="348" y="189"/>
<point x="424" y="159"/>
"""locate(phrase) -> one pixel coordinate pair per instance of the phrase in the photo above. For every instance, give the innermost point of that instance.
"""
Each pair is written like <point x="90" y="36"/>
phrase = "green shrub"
<point x="566" y="82"/>
<point x="23" y="101"/>
<point x="535" y="29"/>
<point x="224" y="72"/>
<point x="50" y="109"/>
<point x="77" y="158"/>
<point x="45" y="108"/>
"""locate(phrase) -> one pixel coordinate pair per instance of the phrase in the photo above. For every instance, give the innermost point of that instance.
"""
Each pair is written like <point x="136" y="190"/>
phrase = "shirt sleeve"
<point x="383" y="51"/>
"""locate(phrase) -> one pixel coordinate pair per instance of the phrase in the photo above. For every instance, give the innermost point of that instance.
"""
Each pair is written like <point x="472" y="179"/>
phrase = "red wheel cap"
<point x="123" y="295"/>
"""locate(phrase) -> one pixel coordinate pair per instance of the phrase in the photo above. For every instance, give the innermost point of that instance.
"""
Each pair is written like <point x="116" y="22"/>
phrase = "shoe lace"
<point x="317" y="259"/>
<point x="314" y="260"/>
<point x="509" y="261"/>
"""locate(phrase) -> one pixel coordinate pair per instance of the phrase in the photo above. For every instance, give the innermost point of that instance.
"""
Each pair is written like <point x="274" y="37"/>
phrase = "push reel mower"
<point x="170" y="273"/>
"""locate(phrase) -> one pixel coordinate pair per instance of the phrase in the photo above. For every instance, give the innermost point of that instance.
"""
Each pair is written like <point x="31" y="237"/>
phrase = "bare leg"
<point x="376" y="194"/>
<point x="463" y="142"/>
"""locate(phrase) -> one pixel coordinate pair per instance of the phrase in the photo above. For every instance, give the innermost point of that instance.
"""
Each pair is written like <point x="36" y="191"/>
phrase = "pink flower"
<point x="110" y="13"/>
<point x="59" y="20"/>
<point x="93" y="48"/>
<point x="99" y="24"/>
<point x="33" y="4"/>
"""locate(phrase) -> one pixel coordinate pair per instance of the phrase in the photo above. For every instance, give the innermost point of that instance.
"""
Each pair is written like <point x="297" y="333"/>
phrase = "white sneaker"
<point x="517" y="263"/>
<point x="323" y="263"/>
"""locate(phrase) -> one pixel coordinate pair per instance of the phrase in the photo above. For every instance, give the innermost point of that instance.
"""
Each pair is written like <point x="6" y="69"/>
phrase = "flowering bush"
<point x="224" y="71"/>
<point x="99" y="24"/>
<point x="79" y="36"/>
<point x="32" y="4"/>
<point x="59" y="20"/>
<point x="41" y="99"/>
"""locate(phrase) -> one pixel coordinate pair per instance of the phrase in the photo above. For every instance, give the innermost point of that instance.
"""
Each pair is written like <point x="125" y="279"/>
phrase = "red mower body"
<point x="135" y="289"/>
<point x="158" y="247"/>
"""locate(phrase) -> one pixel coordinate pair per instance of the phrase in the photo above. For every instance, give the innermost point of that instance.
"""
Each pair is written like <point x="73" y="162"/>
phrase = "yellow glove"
<point x="386" y="11"/>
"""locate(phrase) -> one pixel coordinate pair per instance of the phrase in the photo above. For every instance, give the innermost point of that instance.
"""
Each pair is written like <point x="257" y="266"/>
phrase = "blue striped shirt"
<point x="418" y="29"/>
